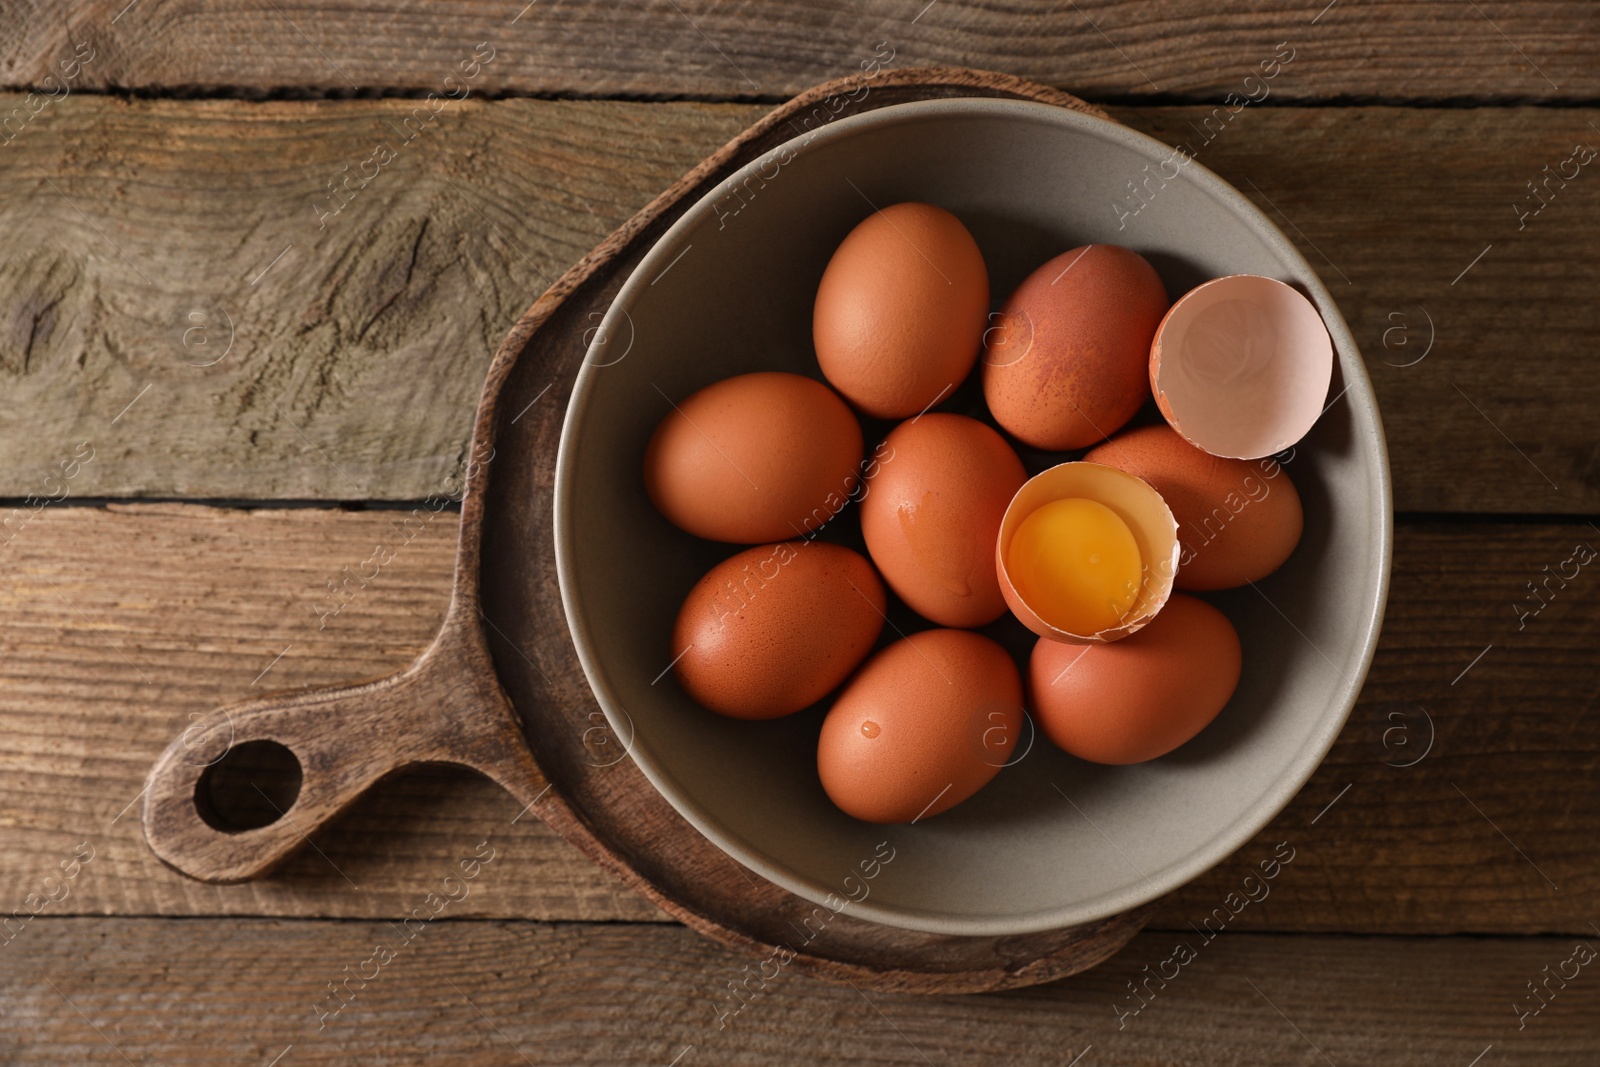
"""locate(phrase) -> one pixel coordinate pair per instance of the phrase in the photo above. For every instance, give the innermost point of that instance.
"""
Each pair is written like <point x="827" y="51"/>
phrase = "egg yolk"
<point x="1076" y="564"/>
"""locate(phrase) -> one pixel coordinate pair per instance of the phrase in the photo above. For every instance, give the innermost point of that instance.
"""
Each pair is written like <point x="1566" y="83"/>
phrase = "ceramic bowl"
<point x="1052" y="841"/>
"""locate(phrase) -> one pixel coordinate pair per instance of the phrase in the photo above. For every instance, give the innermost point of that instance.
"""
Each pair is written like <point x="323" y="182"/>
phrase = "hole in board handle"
<point x="253" y="785"/>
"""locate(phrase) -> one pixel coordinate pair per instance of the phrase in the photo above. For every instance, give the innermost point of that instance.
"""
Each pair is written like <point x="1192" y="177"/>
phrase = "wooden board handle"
<point x="446" y="708"/>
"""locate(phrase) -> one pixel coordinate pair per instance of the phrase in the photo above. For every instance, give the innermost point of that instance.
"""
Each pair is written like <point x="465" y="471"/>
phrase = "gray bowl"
<point x="1053" y="841"/>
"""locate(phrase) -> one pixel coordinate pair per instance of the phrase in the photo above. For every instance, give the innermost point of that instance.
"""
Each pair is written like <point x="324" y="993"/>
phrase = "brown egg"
<point x="901" y="310"/>
<point x="1068" y="363"/>
<point x="924" y="725"/>
<point x="776" y="628"/>
<point x="1135" y="699"/>
<point x="760" y="457"/>
<point x="931" y="511"/>
<point x="1238" y="520"/>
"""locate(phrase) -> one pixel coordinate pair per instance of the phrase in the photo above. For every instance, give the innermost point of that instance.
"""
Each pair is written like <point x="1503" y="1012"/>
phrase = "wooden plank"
<point x="1461" y="784"/>
<point x="293" y="345"/>
<point x="1444" y="285"/>
<point x="1186" y="49"/>
<point x="470" y="993"/>
<point x="105" y="660"/>
<point x="140" y="236"/>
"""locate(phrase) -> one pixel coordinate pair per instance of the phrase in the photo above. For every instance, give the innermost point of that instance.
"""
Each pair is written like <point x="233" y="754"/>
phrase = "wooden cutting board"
<point x="611" y="810"/>
<point x="501" y="689"/>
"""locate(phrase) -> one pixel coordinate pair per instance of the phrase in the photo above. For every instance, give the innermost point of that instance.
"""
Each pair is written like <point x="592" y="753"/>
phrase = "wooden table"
<point x="223" y="386"/>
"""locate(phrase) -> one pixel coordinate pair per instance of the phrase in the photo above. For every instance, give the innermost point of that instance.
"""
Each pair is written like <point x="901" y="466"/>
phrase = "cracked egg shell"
<point x="1240" y="366"/>
<point x="1133" y="500"/>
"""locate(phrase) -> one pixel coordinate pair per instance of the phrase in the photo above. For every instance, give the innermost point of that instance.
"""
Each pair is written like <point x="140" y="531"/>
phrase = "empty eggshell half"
<point x="1147" y="517"/>
<point x="1240" y="366"/>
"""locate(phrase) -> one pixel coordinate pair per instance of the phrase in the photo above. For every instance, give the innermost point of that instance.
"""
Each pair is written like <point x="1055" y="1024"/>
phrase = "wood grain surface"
<point x="229" y="991"/>
<point x="1189" y="48"/>
<point x="186" y="313"/>
<point x="292" y="350"/>
<point x="185" y="258"/>
<point x="119" y="624"/>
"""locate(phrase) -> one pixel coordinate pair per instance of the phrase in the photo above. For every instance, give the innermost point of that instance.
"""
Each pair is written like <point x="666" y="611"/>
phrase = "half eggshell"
<point x="1135" y="503"/>
<point x="1240" y="366"/>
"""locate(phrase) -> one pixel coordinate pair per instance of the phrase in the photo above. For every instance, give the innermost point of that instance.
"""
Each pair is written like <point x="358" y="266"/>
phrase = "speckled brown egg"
<point x="931" y="511"/>
<point x="1067" y="363"/>
<point x="1133" y="700"/>
<point x="925" y="724"/>
<point x="1238" y="520"/>
<point x="776" y="628"/>
<point x="901" y="310"/>
<point x="759" y="457"/>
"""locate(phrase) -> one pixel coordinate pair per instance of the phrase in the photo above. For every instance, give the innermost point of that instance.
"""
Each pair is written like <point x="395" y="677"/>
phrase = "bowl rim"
<point x="1201" y="857"/>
